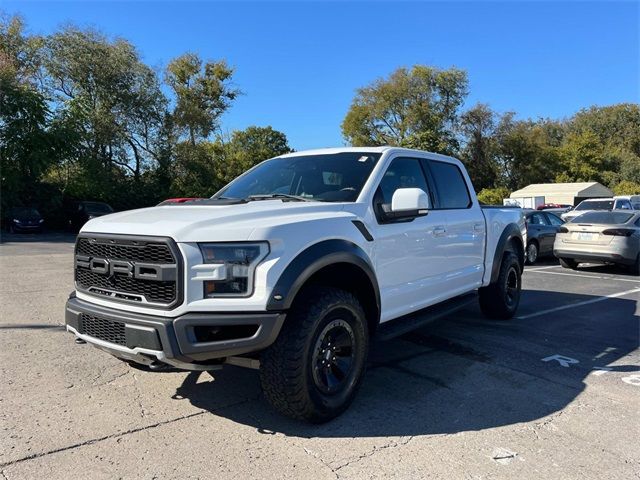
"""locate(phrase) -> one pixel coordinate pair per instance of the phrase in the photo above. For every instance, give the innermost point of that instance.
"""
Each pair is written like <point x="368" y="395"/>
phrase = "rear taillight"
<point x="563" y="230"/>
<point x="619" y="232"/>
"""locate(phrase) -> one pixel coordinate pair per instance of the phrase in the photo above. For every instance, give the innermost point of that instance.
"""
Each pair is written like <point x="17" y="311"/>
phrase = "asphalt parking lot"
<point x="554" y="393"/>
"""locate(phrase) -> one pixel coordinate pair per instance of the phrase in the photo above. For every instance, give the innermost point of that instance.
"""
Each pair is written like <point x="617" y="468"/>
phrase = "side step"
<point x="399" y="326"/>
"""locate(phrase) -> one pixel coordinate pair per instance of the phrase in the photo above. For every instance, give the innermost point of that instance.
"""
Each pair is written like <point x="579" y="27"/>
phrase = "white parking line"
<point x="535" y="269"/>
<point x="586" y="276"/>
<point x="579" y="304"/>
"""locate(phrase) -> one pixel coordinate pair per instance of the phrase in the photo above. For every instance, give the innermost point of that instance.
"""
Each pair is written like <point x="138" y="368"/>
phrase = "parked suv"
<point x="597" y="204"/>
<point x="294" y="267"/>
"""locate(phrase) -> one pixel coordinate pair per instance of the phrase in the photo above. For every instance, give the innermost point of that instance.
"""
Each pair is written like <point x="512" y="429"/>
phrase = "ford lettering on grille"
<point x="127" y="269"/>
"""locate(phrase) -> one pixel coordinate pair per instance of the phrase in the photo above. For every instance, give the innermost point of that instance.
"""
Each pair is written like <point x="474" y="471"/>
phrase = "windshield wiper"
<point x="284" y="196"/>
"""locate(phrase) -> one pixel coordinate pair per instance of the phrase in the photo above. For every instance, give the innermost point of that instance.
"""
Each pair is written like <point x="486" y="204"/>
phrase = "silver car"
<point x="601" y="236"/>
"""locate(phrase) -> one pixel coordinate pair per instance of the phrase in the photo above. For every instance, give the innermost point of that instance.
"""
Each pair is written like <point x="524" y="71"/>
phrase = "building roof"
<point x="580" y="189"/>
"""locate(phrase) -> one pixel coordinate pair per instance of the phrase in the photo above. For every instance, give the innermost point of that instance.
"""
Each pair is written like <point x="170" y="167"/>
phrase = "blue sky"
<point x="299" y="63"/>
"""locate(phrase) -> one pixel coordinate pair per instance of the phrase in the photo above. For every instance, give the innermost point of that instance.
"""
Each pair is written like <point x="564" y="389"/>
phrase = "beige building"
<point x="564" y="193"/>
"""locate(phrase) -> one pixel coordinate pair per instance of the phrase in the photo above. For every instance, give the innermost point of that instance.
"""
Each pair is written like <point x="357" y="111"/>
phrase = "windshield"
<point x="606" y="218"/>
<point x="97" y="207"/>
<point x="596" y="205"/>
<point x="337" y="177"/>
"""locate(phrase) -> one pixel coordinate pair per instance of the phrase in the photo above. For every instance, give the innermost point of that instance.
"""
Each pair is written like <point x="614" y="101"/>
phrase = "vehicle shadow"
<point x="462" y="373"/>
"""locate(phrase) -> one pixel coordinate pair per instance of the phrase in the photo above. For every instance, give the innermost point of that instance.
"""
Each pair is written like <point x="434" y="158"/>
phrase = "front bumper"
<point x="148" y="339"/>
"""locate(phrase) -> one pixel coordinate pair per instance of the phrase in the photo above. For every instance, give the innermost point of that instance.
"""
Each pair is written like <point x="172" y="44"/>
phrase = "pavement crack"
<point x="402" y="441"/>
<point x="121" y="434"/>
<point x="321" y="460"/>
<point x="136" y="387"/>
<point x="4" y="475"/>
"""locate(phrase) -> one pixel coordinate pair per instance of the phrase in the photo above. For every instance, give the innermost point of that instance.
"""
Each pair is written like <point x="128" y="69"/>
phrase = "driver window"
<point x="402" y="173"/>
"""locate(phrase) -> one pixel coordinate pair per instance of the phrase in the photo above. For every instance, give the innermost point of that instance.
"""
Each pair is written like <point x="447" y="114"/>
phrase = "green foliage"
<point x="478" y="125"/>
<point x="627" y="188"/>
<point x="203" y="169"/>
<point x="524" y="153"/>
<point x="493" y="196"/>
<point x="246" y="149"/>
<point x="416" y="108"/>
<point x="83" y="117"/>
<point x="202" y="94"/>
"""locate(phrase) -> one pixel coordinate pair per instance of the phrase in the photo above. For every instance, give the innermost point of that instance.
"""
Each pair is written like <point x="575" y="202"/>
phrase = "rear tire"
<point x="500" y="300"/>
<point x="304" y="375"/>
<point x="635" y="269"/>
<point x="531" y="255"/>
<point x="568" y="263"/>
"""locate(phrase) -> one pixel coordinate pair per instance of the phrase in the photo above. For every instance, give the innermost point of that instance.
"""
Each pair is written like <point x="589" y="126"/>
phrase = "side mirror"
<point x="407" y="203"/>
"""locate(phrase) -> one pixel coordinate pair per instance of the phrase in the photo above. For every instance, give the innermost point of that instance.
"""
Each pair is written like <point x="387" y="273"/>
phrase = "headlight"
<point x="16" y="220"/>
<point x="41" y="220"/>
<point x="236" y="265"/>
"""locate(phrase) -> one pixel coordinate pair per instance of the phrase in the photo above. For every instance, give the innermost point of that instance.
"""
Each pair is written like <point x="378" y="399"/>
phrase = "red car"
<point x="173" y="201"/>
<point x="545" y="206"/>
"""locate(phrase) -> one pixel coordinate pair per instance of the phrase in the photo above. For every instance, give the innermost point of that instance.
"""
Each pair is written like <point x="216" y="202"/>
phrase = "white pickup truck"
<point x="294" y="267"/>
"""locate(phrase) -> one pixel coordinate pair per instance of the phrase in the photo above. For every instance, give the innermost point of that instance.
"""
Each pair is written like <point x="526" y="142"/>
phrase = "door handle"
<point x="478" y="227"/>
<point x="439" y="231"/>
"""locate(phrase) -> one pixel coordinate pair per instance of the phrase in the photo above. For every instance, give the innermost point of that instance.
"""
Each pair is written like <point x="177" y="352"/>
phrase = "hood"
<point x="198" y="223"/>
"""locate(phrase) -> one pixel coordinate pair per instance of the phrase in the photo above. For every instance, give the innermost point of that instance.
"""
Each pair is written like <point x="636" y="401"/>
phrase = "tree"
<point x="247" y="148"/>
<point x="493" y="196"/>
<point x="202" y="169"/>
<point x="415" y="108"/>
<point x="104" y="92"/>
<point x="583" y="158"/>
<point x="202" y="94"/>
<point x="29" y="143"/>
<point x="627" y="188"/>
<point x="478" y="127"/>
<point x="525" y="153"/>
<point x="604" y="144"/>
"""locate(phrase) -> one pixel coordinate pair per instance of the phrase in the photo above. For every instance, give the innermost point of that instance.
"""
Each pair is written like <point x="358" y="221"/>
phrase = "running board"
<point x="399" y="326"/>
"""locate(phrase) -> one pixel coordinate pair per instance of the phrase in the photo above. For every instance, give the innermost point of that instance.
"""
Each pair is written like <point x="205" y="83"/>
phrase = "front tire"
<point x="635" y="269"/>
<point x="531" y="255"/>
<point x="500" y="300"/>
<point x="315" y="367"/>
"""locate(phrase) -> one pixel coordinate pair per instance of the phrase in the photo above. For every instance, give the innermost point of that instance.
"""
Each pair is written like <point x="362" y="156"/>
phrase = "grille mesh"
<point x="135" y="251"/>
<point x="146" y="252"/>
<point x="159" y="292"/>
<point x="103" y="329"/>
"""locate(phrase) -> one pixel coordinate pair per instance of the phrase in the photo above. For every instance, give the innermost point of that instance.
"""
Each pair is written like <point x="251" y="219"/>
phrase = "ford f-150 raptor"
<point x="294" y="267"/>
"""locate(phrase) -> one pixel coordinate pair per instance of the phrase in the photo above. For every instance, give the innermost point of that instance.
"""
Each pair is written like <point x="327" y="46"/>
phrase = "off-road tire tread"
<point x="492" y="298"/>
<point x="282" y="372"/>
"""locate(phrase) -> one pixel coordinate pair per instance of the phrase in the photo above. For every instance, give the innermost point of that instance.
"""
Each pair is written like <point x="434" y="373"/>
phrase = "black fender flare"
<point x="511" y="232"/>
<point x="312" y="260"/>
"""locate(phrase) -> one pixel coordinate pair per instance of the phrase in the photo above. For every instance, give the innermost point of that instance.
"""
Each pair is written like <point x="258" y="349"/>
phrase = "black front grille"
<point x="132" y="251"/>
<point x="103" y="329"/>
<point x="110" y="267"/>
<point x="157" y="292"/>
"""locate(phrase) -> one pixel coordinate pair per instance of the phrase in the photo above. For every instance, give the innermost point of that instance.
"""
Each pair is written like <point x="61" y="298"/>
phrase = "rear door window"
<point x="537" y="219"/>
<point x="553" y="220"/>
<point x="450" y="185"/>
